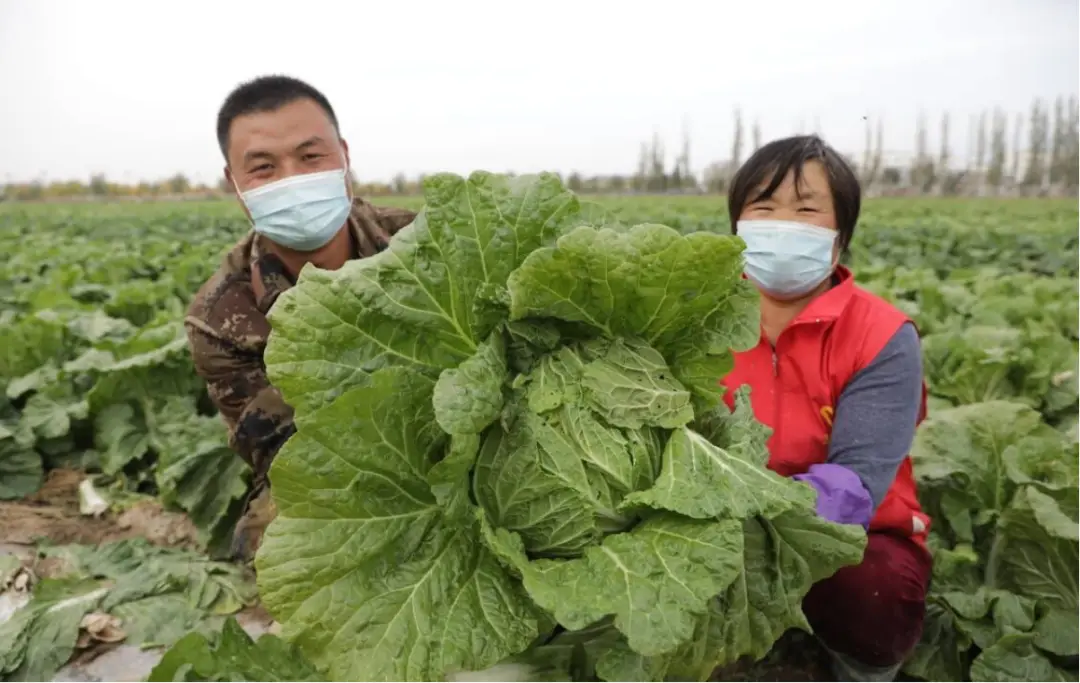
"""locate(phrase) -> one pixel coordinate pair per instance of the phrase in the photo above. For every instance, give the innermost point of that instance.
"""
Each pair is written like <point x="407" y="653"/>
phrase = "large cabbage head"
<point x="580" y="432"/>
<point x="511" y="443"/>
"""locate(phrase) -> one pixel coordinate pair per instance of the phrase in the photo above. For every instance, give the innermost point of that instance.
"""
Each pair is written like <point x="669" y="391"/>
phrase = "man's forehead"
<point x="281" y="130"/>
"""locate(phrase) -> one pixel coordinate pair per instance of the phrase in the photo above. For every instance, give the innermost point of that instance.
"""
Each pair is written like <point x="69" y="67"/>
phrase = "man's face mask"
<point x="301" y="212"/>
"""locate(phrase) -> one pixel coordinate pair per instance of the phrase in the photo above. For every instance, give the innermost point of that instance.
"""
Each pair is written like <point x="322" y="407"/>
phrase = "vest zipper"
<point x="772" y="346"/>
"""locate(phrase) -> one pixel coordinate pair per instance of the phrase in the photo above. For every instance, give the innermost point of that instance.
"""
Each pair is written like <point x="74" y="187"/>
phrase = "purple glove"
<point x="842" y="498"/>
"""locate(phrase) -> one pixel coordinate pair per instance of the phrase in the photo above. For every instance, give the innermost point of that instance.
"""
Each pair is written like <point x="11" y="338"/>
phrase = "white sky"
<point x="131" y="88"/>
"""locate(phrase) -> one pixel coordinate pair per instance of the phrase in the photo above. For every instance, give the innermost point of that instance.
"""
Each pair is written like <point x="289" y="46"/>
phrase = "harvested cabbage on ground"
<point x="126" y="591"/>
<point x="512" y="446"/>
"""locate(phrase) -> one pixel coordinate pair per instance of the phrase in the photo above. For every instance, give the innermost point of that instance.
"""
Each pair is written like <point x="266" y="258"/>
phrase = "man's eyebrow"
<point x="257" y="154"/>
<point x="310" y="142"/>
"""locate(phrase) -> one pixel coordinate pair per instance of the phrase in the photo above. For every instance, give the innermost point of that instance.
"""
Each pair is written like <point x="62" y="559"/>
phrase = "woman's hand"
<point x="842" y="497"/>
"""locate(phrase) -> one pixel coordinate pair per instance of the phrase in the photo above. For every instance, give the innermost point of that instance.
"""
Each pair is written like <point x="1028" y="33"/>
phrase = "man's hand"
<point x="249" y="530"/>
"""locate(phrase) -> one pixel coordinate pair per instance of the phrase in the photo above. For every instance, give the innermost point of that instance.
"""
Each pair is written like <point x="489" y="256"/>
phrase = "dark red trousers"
<point x="873" y="612"/>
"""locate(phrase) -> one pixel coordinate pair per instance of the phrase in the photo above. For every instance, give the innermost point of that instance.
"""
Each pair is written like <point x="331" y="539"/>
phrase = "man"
<point x="288" y="166"/>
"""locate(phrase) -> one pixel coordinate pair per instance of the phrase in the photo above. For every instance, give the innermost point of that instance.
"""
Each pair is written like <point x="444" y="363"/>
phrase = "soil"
<point x="52" y="514"/>
<point x="797" y="656"/>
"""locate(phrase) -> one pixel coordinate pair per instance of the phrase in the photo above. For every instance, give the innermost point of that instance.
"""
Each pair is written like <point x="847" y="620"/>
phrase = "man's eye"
<point x="261" y="167"/>
<point x="313" y="157"/>
<point x="807" y="209"/>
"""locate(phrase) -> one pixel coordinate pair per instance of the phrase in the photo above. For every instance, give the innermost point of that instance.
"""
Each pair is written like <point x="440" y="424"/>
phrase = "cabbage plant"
<point x="512" y="446"/>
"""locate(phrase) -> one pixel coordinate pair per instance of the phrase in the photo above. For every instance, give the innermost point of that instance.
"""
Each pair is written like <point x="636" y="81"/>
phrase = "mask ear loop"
<point x="346" y="168"/>
<point x="347" y="179"/>
<point x="240" y="195"/>
<point x="839" y="253"/>
<point x="836" y="261"/>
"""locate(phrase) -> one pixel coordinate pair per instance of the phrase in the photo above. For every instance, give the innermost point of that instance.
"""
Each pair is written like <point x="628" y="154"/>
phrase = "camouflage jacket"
<point x="227" y="332"/>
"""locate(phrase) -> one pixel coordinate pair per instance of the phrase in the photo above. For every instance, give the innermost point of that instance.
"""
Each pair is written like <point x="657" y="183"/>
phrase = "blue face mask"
<point x="301" y="212"/>
<point x="787" y="259"/>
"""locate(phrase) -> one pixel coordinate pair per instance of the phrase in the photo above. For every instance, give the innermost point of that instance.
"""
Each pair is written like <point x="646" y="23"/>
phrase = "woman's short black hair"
<point x="770" y="165"/>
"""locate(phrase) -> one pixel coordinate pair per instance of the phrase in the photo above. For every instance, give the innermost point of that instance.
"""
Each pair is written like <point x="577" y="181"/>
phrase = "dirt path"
<point x="52" y="514"/>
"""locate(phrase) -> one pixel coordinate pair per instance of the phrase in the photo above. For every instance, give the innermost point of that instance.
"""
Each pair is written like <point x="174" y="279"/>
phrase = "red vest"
<point x="794" y="389"/>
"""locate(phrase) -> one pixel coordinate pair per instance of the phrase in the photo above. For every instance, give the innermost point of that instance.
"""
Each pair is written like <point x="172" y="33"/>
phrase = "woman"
<point x="837" y="375"/>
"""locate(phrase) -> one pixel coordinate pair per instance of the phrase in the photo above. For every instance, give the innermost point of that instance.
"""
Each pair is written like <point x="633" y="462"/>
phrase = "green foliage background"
<point x="94" y="373"/>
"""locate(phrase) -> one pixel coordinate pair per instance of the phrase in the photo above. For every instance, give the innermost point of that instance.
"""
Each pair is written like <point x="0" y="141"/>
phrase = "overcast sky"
<point x="131" y="88"/>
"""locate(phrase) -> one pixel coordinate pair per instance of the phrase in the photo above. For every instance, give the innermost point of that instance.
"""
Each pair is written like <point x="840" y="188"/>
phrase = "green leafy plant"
<point x="511" y="444"/>
<point x="231" y="655"/>
<point x="1001" y="486"/>
<point x="155" y="595"/>
<point x="92" y="294"/>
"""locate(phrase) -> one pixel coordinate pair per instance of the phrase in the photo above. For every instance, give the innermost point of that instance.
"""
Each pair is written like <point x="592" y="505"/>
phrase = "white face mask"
<point x="786" y="258"/>
<point x="301" y="212"/>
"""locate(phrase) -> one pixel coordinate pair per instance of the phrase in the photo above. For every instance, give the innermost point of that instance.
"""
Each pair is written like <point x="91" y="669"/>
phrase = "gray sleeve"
<point x="876" y="414"/>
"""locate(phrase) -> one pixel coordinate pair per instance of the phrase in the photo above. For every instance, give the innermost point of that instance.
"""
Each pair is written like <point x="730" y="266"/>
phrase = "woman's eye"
<point x="807" y="209"/>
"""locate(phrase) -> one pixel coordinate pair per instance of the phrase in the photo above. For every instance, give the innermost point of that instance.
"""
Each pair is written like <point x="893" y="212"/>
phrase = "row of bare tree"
<point x="1041" y="159"/>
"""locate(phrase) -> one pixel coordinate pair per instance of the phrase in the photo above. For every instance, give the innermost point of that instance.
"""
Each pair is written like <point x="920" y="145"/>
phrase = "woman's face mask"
<point x="787" y="259"/>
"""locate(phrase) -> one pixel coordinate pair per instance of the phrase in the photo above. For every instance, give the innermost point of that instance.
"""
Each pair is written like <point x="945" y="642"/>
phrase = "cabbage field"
<point x="118" y="492"/>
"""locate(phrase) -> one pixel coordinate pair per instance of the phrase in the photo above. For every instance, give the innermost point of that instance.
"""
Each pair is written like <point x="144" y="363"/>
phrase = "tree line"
<point x="1036" y="153"/>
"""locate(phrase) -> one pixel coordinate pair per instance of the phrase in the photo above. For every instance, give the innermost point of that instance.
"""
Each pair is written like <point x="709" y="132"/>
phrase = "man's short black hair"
<point x="263" y="94"/>
<point x="770" y="165"/>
